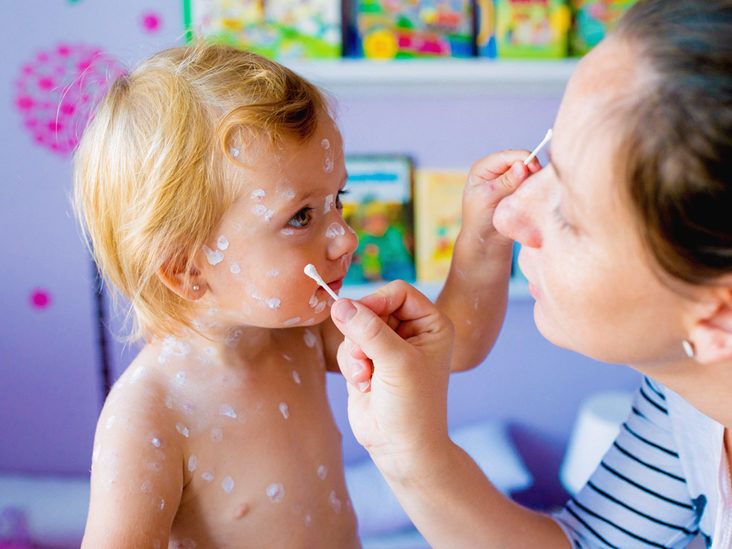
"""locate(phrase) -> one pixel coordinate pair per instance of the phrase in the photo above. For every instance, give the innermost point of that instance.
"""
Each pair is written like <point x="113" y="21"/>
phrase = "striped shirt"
<point x="663" y="482"/>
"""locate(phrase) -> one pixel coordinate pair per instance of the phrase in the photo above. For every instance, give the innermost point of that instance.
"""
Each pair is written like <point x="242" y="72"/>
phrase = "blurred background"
<point x="432" y="86"/>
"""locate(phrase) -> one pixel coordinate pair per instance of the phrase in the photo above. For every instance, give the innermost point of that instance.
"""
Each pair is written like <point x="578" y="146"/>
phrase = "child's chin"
<point x="306" y="318"/>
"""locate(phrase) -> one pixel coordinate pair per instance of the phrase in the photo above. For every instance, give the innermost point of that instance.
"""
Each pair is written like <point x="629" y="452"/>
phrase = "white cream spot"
<point x="291" y="321"/>
<point x="110" y="422"/>
<point x="169" y="402"/>
<point x="138" y="373"/>
<point x="275" y="492"/>
<point x="309" y="339"/>
<point x="162" y="504"/>
<point x="328" y="164"/>
<point x="258" y="194"/>
<point x="263" y="211"/>
<point x="273" y="273"/>
<point x="322" y="472"/>
<point x="227" y="410"/>
<point x="308" y="520"/>
<point x="235" y="269"/>
<point x="145" y="487"/>
<point x="227" y="484"/>
<point x="321" y="306"/>
<point x="95" y="453"/>
<point x="288" y="231"/>
<point x="182" y="429"/>
<point x="187" y="408"/>
<point x="208" y="476"/>
<point x="173" y="347"/>
<point x="192" y="463"/>
<point x="284" y="409"/>
<point x="287" y="357"/>
<point x="325" y="144"/>
<point x="232" y="337"/>
<point x="180" y="378"/>
<point x="335" y="230"/>
<point x="217" y="435"/>
<point x="296" y="377"/>
<point x="214" y="257"/>
<point x="274" y="303"/>
<point x="287" y="194"/>
<point x="222" y="243"/>
<point x="155" y="441"/>
<point x="328" y="206"/>
<point x="335" y="503"/>
<point x="234" y="152"/>
<point x="313" y="302"/>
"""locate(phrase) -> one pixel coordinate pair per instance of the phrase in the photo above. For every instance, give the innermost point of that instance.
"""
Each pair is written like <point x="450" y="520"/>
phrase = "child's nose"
<point x="343" y="240"/>
<point x="515" y="218"/>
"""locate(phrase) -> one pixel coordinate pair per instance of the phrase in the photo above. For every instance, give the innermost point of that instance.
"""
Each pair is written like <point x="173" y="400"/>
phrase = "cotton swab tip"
<point x="312" y="272"/>
<point x="540" y="146"/>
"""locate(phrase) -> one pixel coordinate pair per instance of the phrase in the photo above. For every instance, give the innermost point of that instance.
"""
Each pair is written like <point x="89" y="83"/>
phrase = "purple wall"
<point x="49" y="385"/>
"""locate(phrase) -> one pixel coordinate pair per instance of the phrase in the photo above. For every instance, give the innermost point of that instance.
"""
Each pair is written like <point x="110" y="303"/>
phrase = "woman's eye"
<point x="563" y="223"/>
<point x="339" y="203"/>
<point x="301" y="219"/>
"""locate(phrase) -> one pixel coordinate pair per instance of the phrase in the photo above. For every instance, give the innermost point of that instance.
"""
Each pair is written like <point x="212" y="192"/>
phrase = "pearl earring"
<point x="688" y="348"/>
<point x="195" y="287"/>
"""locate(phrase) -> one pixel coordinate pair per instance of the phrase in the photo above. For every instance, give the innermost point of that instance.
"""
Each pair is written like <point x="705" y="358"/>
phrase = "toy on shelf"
<point x="438" y="213"/>
<point x="279" y="29"/>
<point x="593" y="19"/>
<point x="485" y="23"/>
<point x="399" y="29"/>
<point x="532" y="28"/>
<point x="378" y="207"/>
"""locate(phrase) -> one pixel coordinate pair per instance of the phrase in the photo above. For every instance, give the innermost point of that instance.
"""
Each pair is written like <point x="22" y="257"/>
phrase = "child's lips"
<point x="336" y="285"/>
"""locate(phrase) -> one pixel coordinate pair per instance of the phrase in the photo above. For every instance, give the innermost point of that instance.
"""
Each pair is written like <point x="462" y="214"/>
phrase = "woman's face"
<point x="595" y="288"/>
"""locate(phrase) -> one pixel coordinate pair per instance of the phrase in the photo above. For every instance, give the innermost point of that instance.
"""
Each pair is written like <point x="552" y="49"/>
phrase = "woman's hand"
<point x="396" y="358"/>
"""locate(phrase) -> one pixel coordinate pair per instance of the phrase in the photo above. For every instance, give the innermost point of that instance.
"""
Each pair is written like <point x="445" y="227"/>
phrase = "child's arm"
<point x="136" y="481"/>
<point x="476" y="291"/>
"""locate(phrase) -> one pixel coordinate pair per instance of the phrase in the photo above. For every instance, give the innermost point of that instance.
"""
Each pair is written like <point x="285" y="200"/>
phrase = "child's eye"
<point x="341" y="193"/>
<point x="302" y="218"/>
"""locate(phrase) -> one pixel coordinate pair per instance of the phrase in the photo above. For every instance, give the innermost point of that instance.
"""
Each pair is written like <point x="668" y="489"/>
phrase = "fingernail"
<point x="363" y="386"/>
<point x="343" y="310"/>
<point x="356" y="370"/>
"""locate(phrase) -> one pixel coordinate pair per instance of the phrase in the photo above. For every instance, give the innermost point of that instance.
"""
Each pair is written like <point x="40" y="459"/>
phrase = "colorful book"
<point x="279" y="29"/>
<point x="399" y="29"/>
<point x="378" y="207"/>
<point x="485" y="28"/>
<point x="532" y="28"/>
<point x="593" y="19"/>
<point x="438" y="213"/>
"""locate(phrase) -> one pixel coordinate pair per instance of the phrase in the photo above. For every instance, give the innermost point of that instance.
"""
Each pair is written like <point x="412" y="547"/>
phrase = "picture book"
<point x="593" y="19"/>
<point x="532" y="28"/>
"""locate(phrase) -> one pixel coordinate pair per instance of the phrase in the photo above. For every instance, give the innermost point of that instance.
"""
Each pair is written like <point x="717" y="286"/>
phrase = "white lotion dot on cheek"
<point x="291" y="321"/>
<point x="274" y="303"/>
<point x="217" y="435"/>
<point x="335" y="230"/>
<point x="273" y="273"/>
<point x="309" y="339"/>
<point x="155" y="441"/>
<point x="320" y="307"/>
<point x="296" y="377"/>
<point x="227" y="410"/>
<point x="287" y="231"/>
<point x="180" y="378"/>
<point x="235" y="269"/>
<point x="258" y="194"/>
<point x="275" y="492"/>
<point x="222" y="243"/>
<point x="208" y="476"/>
<point x="214" y="257"/>
<point x="284" y="409"/>
<point x="192" y="463"/>
<point x="182" y="429"/>
<point x="313" y="302"/>
<point x="227" y="484"/>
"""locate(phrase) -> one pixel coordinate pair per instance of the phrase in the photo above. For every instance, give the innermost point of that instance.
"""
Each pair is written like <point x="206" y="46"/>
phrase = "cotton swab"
<point x="312" y="272"/>
<point x="538" y="148"/>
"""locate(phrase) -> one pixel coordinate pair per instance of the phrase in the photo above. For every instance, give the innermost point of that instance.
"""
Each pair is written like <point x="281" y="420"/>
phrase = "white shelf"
<point x="516" y="290"/>
<point x="437" y="76"/>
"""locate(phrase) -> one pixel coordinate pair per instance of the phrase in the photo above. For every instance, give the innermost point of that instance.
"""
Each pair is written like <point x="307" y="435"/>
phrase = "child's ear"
<point x="191" y="286"/>
<point x="711" y="336"/>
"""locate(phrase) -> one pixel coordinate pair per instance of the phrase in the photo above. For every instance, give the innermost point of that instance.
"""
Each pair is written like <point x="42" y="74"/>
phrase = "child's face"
<point x="287" y="215"/>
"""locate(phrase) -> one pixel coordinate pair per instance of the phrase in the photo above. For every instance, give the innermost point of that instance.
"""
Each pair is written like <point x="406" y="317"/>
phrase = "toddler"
<point x="208" y="178"/>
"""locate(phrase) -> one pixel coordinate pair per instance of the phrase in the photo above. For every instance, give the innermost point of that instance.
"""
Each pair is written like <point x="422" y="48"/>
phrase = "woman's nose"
<point x="343" y="240"/>
<point x="516" y="217"/>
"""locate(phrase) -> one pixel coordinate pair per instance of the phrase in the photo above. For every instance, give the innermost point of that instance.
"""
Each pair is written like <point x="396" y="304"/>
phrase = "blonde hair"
<point x="150" y="182"/>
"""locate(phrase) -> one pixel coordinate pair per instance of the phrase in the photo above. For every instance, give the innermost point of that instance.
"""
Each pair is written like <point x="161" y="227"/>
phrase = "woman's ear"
<point x="711" y="336"/>
<point x="190" y="286"/>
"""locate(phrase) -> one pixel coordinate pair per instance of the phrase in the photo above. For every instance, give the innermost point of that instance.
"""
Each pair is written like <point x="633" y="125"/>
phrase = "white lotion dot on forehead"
<point x="208" y="476"/>
<point x="291" y="321"/>
<point x="258" y="194"/>
<point x="309" y="338"/>
<point x="214" y="257"/>
<point x="182" y="429"/>
<point x="275" y="492"/>
<point x="222" y="243"/>
<point x="325" y="144"/>
<point x="274" y="302"/>
<point x="284" y="409"/>
<point x="322" y="472"/>
<point x="192" y="463"/>
<point x="335" y="230"/>
<point x="328" y="205"/>
<point x="227" y="484"/>
<point x="217" y="434"/>
<point x="540" y="146"/>
<point x="296" y="377"/>
<point x="227" y="410"/>
<point x="235" y="269"/>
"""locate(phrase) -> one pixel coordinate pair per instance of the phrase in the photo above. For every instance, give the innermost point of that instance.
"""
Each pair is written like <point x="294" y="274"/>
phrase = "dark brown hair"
<point x="678" y="149"/>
